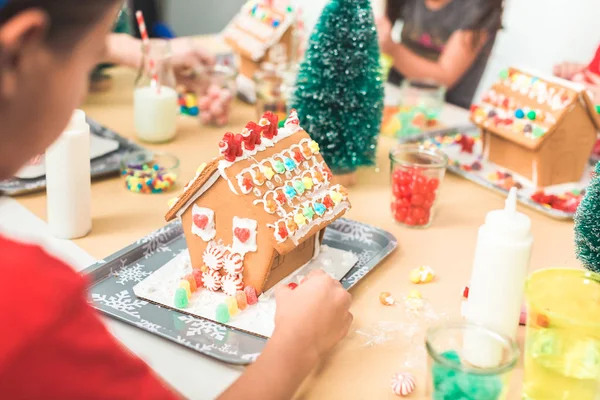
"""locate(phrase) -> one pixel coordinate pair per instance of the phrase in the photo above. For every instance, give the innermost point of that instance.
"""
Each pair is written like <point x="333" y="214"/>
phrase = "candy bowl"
<point x="416" y="174"/>
<point x="147" y="172"/>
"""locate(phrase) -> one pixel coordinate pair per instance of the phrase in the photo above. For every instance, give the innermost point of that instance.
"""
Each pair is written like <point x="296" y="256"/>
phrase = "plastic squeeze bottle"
<point x="68" y="180"/>
<point x="497" y="284"/>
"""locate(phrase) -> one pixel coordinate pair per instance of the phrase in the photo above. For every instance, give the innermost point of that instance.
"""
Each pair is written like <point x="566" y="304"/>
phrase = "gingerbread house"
<point x="257" y="29"/>
<point x="258" y="212"/>
<point x="542" y="128"/>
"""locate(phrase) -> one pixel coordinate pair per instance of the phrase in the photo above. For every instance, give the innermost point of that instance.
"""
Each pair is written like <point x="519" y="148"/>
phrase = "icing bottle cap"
<point x="509" y="221"/>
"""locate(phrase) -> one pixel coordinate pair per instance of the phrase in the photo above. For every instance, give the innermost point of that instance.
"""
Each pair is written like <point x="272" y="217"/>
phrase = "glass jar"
<point x="274" y="91"/>
<point x="416" y="174"/>
<point x="419" y="107"/>
<point x="562" y="346"/>
<point x="155" y="97"/>
<point x="217" y="85"/>
<point x="467" y="361"/>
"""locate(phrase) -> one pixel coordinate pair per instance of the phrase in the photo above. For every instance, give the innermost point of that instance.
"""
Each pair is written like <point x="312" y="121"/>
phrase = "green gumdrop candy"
<point x="504" y="74"/>
<point x="181" y="299"/>
<point x="222" y="315"/>
<point x="451" y="355"/>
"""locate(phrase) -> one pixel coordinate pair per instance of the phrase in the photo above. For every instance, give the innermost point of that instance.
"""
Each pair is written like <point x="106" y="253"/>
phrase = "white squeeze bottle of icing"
<point x="497" y="283"/>
<point x="68" y="180"/>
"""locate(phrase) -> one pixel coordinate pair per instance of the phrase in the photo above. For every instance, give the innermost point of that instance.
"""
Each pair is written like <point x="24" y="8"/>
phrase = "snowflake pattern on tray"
<point x="149" y="326"/>
<point x="156" y="242"/>
<point x="362" y="269"/>
<point x="121" y="301"/>
<point x="353" y="231"/>
<point x="132" y="273"/>
<point x="201" y="327"/>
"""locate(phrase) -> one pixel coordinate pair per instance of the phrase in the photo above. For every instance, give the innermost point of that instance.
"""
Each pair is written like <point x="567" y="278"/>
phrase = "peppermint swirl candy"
<point x="403" y="384"/>
<point x="212" y="280"/>
<point x="232" y="283"/>
<point x="213" y="256"/>
<point x="233" y="263"/>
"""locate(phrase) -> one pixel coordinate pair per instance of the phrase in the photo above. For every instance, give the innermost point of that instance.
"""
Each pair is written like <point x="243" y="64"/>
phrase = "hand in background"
<point x="384" y="34"/>
<point x="315" y="316"/>
<point x="568" y="70"/>
<point x="189" y="60"/>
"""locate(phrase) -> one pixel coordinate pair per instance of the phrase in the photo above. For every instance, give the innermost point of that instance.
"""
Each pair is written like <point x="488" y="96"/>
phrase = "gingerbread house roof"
<point x="525" y="107"/>
<point x="257" y="28"/>
<point x="283" y="181"/>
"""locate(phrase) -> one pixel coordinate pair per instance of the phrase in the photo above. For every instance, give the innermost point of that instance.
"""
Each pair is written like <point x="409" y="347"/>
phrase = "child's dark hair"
<point x="394" y="9"/>
<point x="68" y="19"/>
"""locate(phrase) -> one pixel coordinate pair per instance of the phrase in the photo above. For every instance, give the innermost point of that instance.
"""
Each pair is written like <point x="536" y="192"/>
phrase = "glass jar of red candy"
<point x="416" y="173"/>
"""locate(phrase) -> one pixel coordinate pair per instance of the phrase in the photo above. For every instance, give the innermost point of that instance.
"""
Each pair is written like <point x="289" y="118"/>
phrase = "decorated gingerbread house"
<point x="258" y="212"/>
<point x="257" y="29"/>
<point x="542" y="128"/>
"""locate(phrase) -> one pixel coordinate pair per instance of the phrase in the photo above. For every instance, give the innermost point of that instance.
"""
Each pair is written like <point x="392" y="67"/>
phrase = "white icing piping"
<point x="211" y="181"/>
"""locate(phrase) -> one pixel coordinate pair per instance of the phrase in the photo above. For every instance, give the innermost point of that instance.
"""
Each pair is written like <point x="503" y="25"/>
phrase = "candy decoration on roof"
<point x="231" y="146"/>
<point x="341" y="71"/>
<point x="269" y="122"/>
<point x="251" y="135"/>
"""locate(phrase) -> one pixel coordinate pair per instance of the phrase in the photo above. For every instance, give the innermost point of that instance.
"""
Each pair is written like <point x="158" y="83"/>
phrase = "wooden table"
<point x="352" y="371"/>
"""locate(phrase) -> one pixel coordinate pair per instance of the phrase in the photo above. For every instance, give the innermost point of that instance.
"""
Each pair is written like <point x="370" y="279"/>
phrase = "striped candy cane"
<point x="146" y="40"/>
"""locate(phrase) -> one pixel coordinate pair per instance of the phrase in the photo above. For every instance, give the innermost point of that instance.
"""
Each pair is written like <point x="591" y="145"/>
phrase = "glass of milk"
<point x="155" y="103"/>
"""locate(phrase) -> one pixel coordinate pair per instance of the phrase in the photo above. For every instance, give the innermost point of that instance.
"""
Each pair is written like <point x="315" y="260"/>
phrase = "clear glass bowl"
<point x="416" y="174"/>
<point x="149" y="172"/>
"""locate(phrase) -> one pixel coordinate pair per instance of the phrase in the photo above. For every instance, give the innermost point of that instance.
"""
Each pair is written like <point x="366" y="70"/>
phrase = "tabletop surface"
<point x="351" y="371"/>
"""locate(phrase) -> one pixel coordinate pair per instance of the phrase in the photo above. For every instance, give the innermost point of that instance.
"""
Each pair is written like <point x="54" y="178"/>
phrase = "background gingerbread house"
<point x="258" y="212"/>
<point x="254" y="31"/>
<point x="542" y="128"/>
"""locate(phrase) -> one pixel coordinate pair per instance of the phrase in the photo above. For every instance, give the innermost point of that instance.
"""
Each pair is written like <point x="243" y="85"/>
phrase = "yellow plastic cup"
<point x="562" y="349"/>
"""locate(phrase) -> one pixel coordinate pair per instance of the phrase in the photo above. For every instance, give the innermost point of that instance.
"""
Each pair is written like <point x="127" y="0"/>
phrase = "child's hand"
<point x="315" y="315"/>
<point x="567" y="70"/>
<point x="384" y="34"/>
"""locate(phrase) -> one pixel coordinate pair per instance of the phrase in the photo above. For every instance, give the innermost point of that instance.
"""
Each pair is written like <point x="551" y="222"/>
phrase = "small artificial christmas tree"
<point x="587" y="225"/>
<point x="339" y="91"/>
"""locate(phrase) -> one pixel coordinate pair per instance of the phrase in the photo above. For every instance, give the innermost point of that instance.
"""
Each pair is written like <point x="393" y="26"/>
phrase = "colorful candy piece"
<point x="232" y="307"/>
<point x="327" y="202"/>
<point x="222" y="313"/>
<point x="291" y="225"/>
<point x="319" y="208"/>
<point x="181" y="298"/>
<point x="519" y="113"/>
<point x="192" y="281"/>
<point x="268" y="172"/>
<point x="282" y="231"/>
<point x="386" y="299"/>
<point x="232" y="283"/>
<point x="336" y="196"/>
<point x="299" y="186"/>
<point x="292" y="285"/>
<point x="240" y="297"/>
<point x="289" y="163"/>
<point x="300" y="219"/>
<point x="423" y="274"/>
<point x="290" y="192"/>
<point x="197" y="274"/>
<point x="251" y="296"/>
<point x="308" y="182"/>
<point x="279" y="167"/>
<point x="531" y="115"/>
<point x="212" y="280"/>
<point x="403" y="384"/>
<point x="414" y="294"/>
<point x="281" y="199"/>
<point x="314" y="147"/>
<point x="308" y="212"/>
<point x="186" y="285"/>
<point x="465" y="292"/>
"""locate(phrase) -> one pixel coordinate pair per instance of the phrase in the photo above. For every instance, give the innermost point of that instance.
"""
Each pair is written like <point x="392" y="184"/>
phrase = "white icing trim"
<point x="553" y="79"/>
<point x="317" y="250"/>
<point x="211" y="181"/>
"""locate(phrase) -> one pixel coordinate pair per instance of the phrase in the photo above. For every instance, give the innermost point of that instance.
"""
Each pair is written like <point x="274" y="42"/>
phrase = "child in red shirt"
<point x="52" y="343"/>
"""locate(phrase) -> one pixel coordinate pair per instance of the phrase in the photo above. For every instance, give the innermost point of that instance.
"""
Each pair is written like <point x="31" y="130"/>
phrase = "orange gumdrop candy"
<point x="240" y="297"/>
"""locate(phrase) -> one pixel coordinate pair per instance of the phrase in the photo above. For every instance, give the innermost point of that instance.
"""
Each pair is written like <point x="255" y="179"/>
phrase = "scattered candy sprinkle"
<point x="414" y="294"/>
<point x="465" y="292"/>
<point x="423" y="274"/>
<point x="386" y="299"/>
<point x="148" y="178"/>
<point x="403" y="384"/>
<point x="292" y="285"/>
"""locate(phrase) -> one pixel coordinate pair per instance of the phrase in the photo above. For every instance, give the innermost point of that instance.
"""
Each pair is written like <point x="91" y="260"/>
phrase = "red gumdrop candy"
<point x="292" y="285"/>
<point x="417" y="213"/>
<point x="251" y="297"/>
<point x="417" y="199"/>
<point x="433" y="184"/>
<point x="400" y="214"/>
<point x="197" y="274"/>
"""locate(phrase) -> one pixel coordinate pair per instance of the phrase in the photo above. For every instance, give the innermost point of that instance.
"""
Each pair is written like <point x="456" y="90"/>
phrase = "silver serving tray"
<point x="109" y="164"/>
<point x="113" y="279"/>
